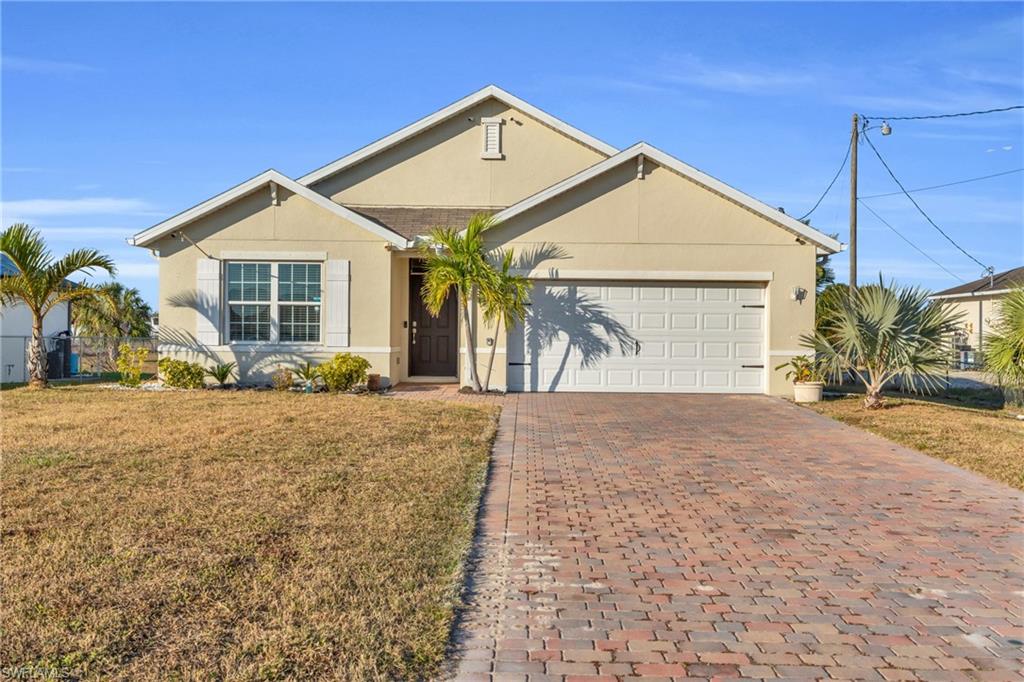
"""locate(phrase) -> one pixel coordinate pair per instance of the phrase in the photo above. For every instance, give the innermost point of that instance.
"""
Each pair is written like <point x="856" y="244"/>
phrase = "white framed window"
<point x="491" y="137"/>
<point x="274" y="302"/>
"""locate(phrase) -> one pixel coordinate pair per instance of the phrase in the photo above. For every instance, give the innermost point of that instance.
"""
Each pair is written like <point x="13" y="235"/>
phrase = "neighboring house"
<point x="16" y="331"/>
<point x="978" y="301"/>
<point x="649" y="275"/>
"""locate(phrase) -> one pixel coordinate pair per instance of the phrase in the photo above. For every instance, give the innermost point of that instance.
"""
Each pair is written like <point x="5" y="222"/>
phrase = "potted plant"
<point x="808" y="382"/>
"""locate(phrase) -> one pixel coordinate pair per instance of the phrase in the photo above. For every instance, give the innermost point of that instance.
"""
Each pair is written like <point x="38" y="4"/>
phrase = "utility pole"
<point x="853" y="202"/>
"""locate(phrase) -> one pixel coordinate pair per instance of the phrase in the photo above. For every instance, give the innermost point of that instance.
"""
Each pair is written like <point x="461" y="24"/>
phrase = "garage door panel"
<point x="716" y="322"/>
<point x="625" y="337"/>
<point x="753" y="322"/>
<point x="653" y="321"/>
<point x="749" y="294"/>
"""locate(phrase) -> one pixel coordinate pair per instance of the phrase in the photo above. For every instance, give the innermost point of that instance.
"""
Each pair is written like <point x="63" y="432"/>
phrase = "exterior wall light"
<point x="798" y="294"/>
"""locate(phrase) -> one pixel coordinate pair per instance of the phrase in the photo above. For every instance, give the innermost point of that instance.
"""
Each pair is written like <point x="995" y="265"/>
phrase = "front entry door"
<point x="433" y="341"/>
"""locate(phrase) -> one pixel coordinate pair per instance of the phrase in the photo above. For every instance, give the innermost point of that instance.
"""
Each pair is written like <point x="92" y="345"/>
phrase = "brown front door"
<point x="433" y="341"/>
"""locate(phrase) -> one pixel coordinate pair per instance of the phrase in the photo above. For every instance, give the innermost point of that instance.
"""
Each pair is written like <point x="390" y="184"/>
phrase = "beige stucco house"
<point x="649" y="275"/>
<point x="978" y="305"/>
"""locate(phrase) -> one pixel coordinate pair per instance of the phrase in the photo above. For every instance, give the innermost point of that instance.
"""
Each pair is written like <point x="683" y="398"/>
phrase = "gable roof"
<point x="263" y="179"/>
<point x="825" y="242"/>
<point x="999" y="283"/>
<point x="488" y="92"/>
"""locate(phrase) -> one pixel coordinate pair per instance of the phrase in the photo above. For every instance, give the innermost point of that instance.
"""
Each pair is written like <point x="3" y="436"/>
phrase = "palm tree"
<point x="1004" y="352"/>
<point x="42" y="283"/>
<point x="505" y="302"/>
<point x="121" y="312"/>
<point x="456" y="260"/>
<point x="881" y="332"/>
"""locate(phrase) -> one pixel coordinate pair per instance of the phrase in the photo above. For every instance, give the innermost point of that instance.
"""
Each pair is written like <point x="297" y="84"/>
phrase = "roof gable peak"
<point x="455" y="108"/>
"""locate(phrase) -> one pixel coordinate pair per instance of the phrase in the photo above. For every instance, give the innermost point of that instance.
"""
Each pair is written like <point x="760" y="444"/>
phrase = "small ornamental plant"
<point x="344" y="371"/>
<point x="307" y="373"/>
<point x="282" y="379"/>
<point x="129" y="364"/>
<point x="181" y="374"/>
<point x="221" y="373"/>
<point x="802" y="370"/>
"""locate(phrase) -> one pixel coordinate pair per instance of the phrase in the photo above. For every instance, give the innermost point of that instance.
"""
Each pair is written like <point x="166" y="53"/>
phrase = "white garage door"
<point x="652" y="337"/>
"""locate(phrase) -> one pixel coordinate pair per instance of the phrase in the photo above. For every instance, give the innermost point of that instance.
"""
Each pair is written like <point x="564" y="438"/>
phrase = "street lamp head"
<point x="886" y="130"/>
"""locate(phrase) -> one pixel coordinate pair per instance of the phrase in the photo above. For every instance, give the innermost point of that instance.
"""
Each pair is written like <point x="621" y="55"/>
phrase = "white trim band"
<point x="274" y="255"/>
<point x="658" y="275"/>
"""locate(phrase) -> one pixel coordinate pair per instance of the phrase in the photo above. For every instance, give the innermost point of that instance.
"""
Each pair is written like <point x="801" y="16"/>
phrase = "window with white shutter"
<point x="278" y="302"/>
<point x="492" y="138"/>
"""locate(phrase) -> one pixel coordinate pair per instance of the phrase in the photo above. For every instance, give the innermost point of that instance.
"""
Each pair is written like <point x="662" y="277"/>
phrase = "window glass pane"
<point x="299" y="282"/>
<point x="249" y="322"/>
<point x="299" y="323"/>
<point x="248" y="281"/>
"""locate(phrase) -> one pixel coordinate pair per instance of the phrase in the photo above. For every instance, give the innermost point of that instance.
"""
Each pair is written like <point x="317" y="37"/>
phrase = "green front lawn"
<point x="234" y="535"/>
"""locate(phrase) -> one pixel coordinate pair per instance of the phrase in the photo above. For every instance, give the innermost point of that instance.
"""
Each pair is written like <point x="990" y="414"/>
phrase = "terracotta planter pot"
<point x="373" y="382"/>
<point x="808" y="391"/>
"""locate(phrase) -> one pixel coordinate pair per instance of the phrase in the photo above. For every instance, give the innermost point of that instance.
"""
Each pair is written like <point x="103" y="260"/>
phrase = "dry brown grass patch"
<point x="987" y="441"/>
<point x="253" y="535"/>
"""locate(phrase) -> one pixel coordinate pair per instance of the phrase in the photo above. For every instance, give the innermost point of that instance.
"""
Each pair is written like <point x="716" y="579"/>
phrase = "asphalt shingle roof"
<point x="999" y="281"/>
<point x="414" y="222"/>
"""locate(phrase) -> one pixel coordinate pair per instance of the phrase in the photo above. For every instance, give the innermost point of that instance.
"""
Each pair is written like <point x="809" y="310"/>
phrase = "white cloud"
<point x="83" y="206"/>
<point x="742" y="79"/>
<point x="75" y="233"/>
<point x="44" y="66"/>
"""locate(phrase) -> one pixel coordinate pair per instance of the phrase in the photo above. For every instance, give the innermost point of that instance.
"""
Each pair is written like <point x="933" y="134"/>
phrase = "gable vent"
<point x="492" y="138"/>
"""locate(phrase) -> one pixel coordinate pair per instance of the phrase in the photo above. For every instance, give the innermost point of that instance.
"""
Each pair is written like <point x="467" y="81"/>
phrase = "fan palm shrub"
<point x="41" y="283"/>
<point x="456" y="264"/>
<point x="1004" y="347"/>
<point x="880" y="333"/>
<point x="221" y="373"/>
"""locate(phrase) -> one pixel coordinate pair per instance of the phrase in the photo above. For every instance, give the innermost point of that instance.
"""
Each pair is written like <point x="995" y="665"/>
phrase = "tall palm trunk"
<point x="490" y="360"/>
<point x="474" y="377"/>
<point x="37" y="354"/>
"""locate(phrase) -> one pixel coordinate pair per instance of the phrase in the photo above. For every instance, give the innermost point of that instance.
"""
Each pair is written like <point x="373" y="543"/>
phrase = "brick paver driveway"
<point x="722" y="536"/>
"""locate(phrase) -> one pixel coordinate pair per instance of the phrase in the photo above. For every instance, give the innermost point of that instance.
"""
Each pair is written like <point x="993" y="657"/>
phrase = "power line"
<point x="918" y="206"/>
<point x="827" y="189"/>
<point x="900" y="235"/>
<point x="966" y="113"/>
<point x="948" y="184"/>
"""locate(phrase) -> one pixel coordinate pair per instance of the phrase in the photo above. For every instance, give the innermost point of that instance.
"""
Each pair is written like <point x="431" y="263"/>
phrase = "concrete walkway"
<point x="697" y="537"/>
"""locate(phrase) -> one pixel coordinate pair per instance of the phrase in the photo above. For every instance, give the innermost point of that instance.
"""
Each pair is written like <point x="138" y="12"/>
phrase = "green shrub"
<point x="129" y="364"/>
<point x="282" y="379"/>
<point x="221" y="373"/>
<point x="343" y="371"/>
<point x="181" y="374"/>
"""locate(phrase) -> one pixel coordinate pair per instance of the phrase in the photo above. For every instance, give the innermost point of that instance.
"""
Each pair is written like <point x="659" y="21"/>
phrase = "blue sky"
<point x="116" y="116"/>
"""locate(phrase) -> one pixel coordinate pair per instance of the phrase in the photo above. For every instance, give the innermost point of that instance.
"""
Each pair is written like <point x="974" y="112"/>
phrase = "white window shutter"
<point x="208" y="298"/>
<point x="338" y="277"/>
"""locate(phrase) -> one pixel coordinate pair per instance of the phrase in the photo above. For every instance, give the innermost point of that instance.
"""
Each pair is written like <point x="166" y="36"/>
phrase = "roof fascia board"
<point x="238" y="191"/>
<point x="970" y="294"/>
<point x="821" y="240"/>
<point x="444" y="114"/>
